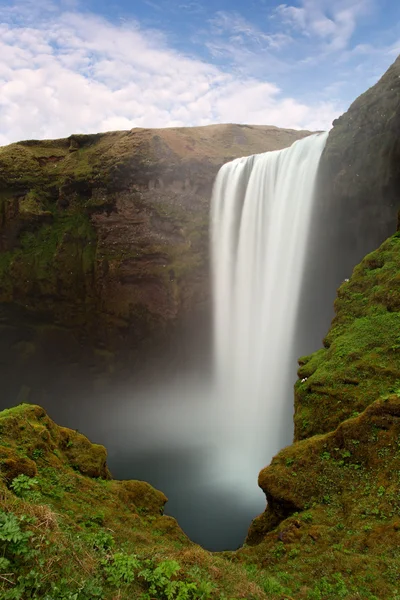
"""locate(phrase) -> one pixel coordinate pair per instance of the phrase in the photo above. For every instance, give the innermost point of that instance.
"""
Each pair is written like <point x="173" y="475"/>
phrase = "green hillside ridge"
<point x="360" y="360"/>
<point x="331" y="529"/>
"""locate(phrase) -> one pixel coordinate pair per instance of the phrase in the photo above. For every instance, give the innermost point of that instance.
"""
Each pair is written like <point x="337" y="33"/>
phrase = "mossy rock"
<point x="361" y="357"/>
<point x="87" y="458"/>
<point x="333" y="509"/>
<point x="107" y="234"/>
<point x="142" y="496"/>
<point x="12" y="465"/>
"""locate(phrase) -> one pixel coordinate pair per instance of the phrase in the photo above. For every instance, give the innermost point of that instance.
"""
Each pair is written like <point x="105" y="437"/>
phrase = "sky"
<point x="71" y="66"/>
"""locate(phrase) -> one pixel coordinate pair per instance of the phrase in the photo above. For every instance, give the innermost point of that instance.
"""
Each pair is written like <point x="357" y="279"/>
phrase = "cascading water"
<point x="260" y="217"/>
<point x="205" y="441"/>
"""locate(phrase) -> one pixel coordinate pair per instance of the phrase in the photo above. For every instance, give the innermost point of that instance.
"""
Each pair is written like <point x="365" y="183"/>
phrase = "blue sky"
<point x="70" y="66"/>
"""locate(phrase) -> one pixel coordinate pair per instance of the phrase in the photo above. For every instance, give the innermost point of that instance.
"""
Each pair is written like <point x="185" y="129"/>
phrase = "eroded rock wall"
<point x="108" y="234"/>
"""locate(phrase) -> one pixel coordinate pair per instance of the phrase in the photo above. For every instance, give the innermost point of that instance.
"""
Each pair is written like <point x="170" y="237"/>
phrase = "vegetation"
<point x="361" y="358"/>
<point x="331" y="528"/>
<point x="332" y="525"/>
<point x="70" y="532"/>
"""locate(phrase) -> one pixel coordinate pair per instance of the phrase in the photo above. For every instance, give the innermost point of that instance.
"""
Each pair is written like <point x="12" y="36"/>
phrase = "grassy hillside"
<point x="332" y="525"/>
<point x="70" y="532"/>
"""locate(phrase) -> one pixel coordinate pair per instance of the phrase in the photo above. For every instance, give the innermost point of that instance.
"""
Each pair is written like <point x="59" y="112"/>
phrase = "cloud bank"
<point x="69" y="72"/>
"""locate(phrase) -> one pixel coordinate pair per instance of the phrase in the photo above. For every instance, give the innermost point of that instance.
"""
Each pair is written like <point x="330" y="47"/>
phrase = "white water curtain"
<point x="260" y="219"/>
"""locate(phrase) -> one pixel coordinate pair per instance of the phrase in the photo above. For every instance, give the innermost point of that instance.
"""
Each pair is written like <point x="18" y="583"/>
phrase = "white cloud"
<point x="331" y="21"/>
<point x="240" y="30"/>
<point x="245" y="46"/>
<point x="79" y="73"/>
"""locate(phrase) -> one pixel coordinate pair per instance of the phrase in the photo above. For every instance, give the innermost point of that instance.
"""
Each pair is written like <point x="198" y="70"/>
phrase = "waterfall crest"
<point x="260" y="217"/>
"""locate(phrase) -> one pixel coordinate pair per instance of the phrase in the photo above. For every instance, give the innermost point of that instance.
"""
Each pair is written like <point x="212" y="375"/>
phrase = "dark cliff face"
<point x="361" y="159"/>
<point x="106" y="236"/>
<point x="104" y="249"/>
<point x="358" y="192"/>
<point x="358" y="196"/>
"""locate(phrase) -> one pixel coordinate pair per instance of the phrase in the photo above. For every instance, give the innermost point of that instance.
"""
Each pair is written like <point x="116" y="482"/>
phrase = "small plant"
<point x="271" y="585"/>
<point x="279" y="550"/>
<point x="164" y="585"/>
<point x="95" y="519"/>
<point x="37" y="453"/>
<point x="22" y="485"/>
<point x="307" y="517"/>
<point x="14" y="543"/>
<point x="120" y="568"/>
<point x="103" y="541"/>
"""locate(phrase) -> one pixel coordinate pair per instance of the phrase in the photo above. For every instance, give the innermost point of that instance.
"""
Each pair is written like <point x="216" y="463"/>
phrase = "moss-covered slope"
<point x="361" y="357"/>
<point x="70" y="532"/>
<point x="331" y="528"/>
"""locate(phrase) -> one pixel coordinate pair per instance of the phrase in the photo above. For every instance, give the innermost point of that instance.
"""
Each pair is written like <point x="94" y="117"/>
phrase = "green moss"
<point x="83" y="524"/>
<point x="361" y="360"/>
<point x="59" y="254"/>
<point x="340" y="514"/>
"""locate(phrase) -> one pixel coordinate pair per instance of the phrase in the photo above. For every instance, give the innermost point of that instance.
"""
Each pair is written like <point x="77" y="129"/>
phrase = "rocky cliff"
<point x="333" y="517"/>
<point x="358" y="196"/>
<point x="104" y="248"/>
<point x="360" y="162"/>
<point x="109" y="233"/>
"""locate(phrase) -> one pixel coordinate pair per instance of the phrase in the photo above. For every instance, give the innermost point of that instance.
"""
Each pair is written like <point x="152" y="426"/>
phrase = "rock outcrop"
<point x="360" y="162"/>
<point x="358" y="196"/>
<point x="109" y="232"/>
<point x="333" y="513"/>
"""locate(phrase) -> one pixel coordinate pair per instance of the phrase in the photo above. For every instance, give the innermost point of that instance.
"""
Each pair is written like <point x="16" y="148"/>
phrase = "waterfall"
<point x="260" y="216"/>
